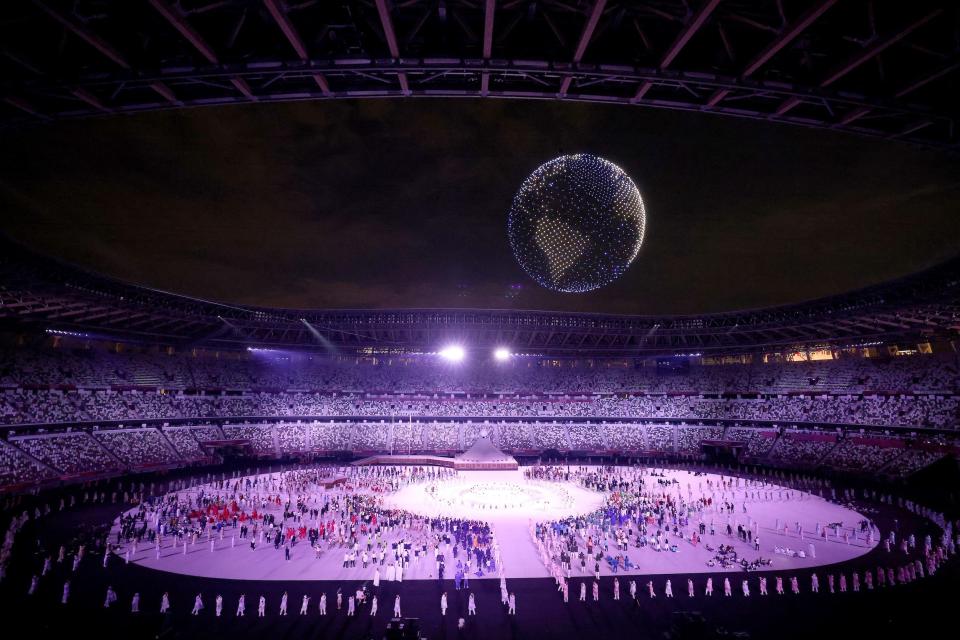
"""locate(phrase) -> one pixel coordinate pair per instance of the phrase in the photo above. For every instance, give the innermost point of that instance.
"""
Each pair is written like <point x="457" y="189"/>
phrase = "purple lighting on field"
<point x="453" y="353"/>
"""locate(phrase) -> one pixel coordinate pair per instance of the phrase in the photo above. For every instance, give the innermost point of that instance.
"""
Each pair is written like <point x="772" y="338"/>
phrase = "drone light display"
<point x="577" y="223"/>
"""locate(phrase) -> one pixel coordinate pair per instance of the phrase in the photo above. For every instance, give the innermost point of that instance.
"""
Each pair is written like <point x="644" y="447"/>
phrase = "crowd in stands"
<point x="70" y="453"/>
<point x="138" y="447"/>
<point x="16" y="467"/>
<point x="689" y="439"/>
<point x="802" y="448"/>
<point x="852" y="455"/>
<point x="416" y="404"/>
<point x="94" y="367"/>
<point x="47" y="407"/>
<point x="758" y="441"/>
<point x="85" y="451"/>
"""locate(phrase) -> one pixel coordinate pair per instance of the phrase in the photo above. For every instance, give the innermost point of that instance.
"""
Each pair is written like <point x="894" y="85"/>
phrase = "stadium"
<point x="270" y="367"/>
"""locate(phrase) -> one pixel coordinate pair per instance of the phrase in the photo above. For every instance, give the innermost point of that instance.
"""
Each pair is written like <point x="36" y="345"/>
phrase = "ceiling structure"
<point x="39" y="293"/>
<point x="881" y="69"/>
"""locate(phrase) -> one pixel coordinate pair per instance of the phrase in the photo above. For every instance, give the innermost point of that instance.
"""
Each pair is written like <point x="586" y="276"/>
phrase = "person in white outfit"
<point x="513" y="605"/>
<point x="373" y="606"/>
<point x="197" y="605"/>
<point x="443" y="604"/>
<point x="262" y="607"/>
<point x="241" y="605"/>
<point x="471" y="606"/>
<point x="219" y="605"/>
<point x="669" y="589"/>
<point x="323" y="604"/>
<point x="283" y="604"/>
<point x="396" y="607"/>
<point x="165" y="603"/>
<point x="304" y="605"/>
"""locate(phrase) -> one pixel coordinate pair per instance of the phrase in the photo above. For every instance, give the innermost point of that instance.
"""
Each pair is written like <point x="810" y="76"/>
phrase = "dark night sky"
<point x="404" y="203"/>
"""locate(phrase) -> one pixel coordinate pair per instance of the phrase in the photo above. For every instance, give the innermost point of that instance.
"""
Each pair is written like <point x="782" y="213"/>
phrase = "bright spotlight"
<point x="501" y="354"/>
<point x="453" y="353"/>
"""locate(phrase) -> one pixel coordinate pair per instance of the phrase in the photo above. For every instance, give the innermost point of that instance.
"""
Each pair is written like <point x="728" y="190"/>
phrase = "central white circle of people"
<point x="401" y="523"/>
<point x="500" y="496"/>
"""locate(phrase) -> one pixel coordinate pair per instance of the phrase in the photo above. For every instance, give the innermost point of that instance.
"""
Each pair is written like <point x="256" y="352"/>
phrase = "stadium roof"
<point x="882" y="69"/>
<point x="39" y="293"/>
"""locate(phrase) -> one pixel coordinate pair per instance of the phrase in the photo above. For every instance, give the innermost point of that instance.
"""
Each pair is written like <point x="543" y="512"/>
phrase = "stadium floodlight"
<point x="453" y="353"/>
<point x="501" y="354"/>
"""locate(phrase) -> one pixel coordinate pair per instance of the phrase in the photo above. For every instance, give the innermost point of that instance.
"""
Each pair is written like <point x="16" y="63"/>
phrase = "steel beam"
<point x="191" y="35"/>
<point x="864" y="56"/>
<point x="390" y="36"/>
<point x="585" y="36"/>
<point x="788" y="35"/>
<point x="95" y="41"/>
<point x="689" y="30"/>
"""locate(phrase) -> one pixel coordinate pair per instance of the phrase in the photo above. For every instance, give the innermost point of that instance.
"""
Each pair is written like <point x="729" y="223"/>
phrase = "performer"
<point x="650" y="591"/>
<point x="689" y="588"/>
<point x="283" y="604"/>
<point x="197" y="605"/>
<point x="616" y="588"/>
<point x="763" y="585"/>
<point x="323" y="603"/>
<point x="669" y="589"/>
<point x="305" y="605"/>
<point x="111" y="597"/>
<point x="596" y="591"/>
<point x="727" y="591"/>
<point x="471" y="606"/>
<point x="443" y="604"/>
<point x="373" y="606"/>
<point x="351" y="606"/>
<point x="396" y="607"/>
<point x="814" y="583"/>
<point x="746" y="589"/>
<point x="219" y="605"/>
<point x="709" y="589"/>
<point x="165" y="603"/>
<point x="583" y="591"/>
<point x="135" y="603"/>
<point x="794" y="585"/>
<point x="66" y="592"/>
<point x="242" y="605"/>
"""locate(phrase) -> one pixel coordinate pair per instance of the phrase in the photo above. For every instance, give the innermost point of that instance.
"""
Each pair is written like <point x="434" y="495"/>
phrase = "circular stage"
<point x="496" y="495"/>
<point x="789" y="525"/>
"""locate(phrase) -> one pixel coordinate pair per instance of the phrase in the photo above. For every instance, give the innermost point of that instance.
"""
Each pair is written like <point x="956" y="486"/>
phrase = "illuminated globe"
<point x="576" y="223"/>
